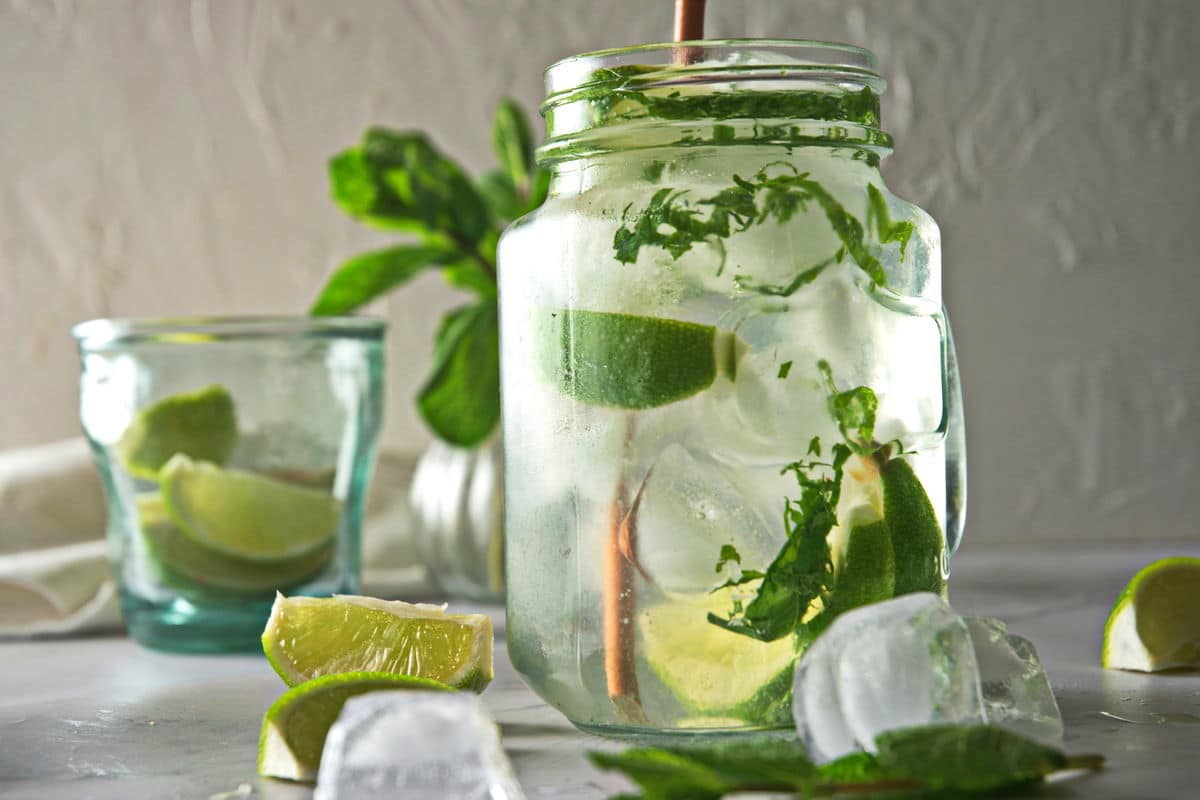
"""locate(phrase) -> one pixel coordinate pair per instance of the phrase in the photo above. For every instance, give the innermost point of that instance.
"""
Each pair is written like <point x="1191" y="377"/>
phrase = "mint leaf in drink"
<point x="369" y="275"/>
<point x="512" y="141"/>
<point x="729" y="555"/>
<point x="461" y="398"/>
<point x="784" y="369"/>
<point x="803" y="570"/>
<point x="878" y="217"/>
<point x="929" y="762"/>
<point x="853" y="410"/>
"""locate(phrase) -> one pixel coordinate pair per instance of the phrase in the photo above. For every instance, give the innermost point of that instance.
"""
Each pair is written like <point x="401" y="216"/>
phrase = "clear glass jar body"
<point x="708" y="428"/>
<point x="235" y="456"/>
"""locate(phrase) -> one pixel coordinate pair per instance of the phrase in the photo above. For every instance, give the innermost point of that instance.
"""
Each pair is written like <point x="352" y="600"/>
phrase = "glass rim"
<point x="179" y="330"/>
<point x="806" y="55"/>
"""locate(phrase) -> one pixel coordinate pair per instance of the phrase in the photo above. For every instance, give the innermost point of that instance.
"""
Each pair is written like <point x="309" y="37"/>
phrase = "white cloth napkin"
<point x="54" y="574"/>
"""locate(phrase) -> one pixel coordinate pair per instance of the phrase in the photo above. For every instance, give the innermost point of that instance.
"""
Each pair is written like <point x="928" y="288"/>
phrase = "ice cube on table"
<point x="415" y="746"/>
<point x="913" y="661"/>
<point x="1016" y="692"/>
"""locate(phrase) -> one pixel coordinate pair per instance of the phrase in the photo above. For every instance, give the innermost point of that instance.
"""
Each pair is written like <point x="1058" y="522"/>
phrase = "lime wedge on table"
<point x="628" y="361"/>
<point x="192" y="563"/>
<point x="200" y="424"/>
<point x="917" y="539"/>
<point x="307" y="637"/>
<point x="1155" y="623"/>
<point x="246" y="515"/>
<point x="711" y="670"/>
<point x="295" y="726"/>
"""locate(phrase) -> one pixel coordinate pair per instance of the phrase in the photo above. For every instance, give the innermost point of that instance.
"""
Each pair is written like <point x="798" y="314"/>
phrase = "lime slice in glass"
<point x="307" y="637"/>
<point x="295" y="726"/>
<point x="917" y="539"/>
<point x="245" y="515"/>
<point x="1155" y="623"/>
<point x="710" y="670"/>
<point x="867" y="572"/>
<point x="189" y="564"/>
<point x="633" y="362"/>
<point x="200" y="424"/>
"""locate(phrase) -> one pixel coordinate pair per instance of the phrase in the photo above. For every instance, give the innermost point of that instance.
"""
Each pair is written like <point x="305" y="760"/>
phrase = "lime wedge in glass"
<point x="633" y="362"/>
<point x="189" y="564"/>
<point x="710" y="670"/>
<point x="1155" y="623"/>
<point x="246" y="515"/>
<point x="295" y="726"/>
<point x="200" y="424"/>
<point x="307" y="637"/>
<point x="867" y="571"/>
<point x="917" y="540"/>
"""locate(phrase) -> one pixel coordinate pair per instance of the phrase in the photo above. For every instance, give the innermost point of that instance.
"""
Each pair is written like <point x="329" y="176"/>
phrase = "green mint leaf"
<point x="711" y="772"/>
<point x="435" y="189"/>
<point x="729" y="554"/>
<point x="814" y="446"/>
<point x="977" y="758"/>
<point x="878" y="217"/>
<point x="652" y="172"/>
<point x="501" y="195"/>
<point x="361" y="192"/>
<point x="512" y="141"/>
<point x="367" y="276"/>
<point x="784" y="369"/>
<point x="461" y="398"/>
<point x="539" y="189"/>
<point x="854" y="411"/>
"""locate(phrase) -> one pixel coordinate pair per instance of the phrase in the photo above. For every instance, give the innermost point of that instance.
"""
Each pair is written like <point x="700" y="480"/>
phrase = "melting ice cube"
<point x="415" y="746"/>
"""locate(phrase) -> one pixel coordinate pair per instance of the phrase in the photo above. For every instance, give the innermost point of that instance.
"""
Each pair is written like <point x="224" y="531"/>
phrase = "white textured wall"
<point x="167" y="157"/>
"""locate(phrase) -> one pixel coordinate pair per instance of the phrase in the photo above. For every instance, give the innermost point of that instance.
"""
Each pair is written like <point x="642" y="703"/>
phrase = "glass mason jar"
<point x="730" y="401"/>
<point x="235" y="455"/>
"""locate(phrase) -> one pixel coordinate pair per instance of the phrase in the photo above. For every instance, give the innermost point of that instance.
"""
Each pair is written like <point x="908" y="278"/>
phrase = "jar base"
<point x="672" y="736"/>
<point x="178" y="626"/>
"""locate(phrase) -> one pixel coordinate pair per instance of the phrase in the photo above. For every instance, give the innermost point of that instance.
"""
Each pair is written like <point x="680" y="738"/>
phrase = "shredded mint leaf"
<point x="814" y="446"/>
<point x="853" y="410"/>
<point x="886" y="231"/>
<point x="369" y="275"/>
<point x="512" y="141"/>
<point x="784" y="369"/>
<point x="729" y="555"/>
<point x="461" y="398"/>
<point x="653" y="171"/>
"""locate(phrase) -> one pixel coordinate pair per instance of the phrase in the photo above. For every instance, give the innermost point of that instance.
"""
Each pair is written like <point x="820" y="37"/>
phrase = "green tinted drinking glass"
<point x="235" y="455"/>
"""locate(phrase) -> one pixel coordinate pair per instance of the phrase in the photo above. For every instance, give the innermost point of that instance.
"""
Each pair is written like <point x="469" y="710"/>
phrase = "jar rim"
<point x="181" y="330"/>
<point x="803" y="57"/>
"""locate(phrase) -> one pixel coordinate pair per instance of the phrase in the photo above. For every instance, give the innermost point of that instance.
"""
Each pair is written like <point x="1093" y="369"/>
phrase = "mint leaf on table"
<point x="461" y="398"/>
<point x="369" y="275"/>
<point x="929" y="762"/>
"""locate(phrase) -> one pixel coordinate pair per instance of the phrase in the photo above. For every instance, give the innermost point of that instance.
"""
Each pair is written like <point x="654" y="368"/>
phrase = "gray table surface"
<point x="104" y="718"/>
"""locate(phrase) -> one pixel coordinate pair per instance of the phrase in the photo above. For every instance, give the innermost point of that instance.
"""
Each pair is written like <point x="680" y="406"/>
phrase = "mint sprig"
<point x="400" y="181"/>
<point x="938" y="761"/>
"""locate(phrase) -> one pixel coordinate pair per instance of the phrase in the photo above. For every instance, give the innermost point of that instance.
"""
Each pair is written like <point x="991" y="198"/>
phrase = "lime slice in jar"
<point x="200" y="424"/>
<point x="245" y="515"/>
<point x="633" y="362"/>
<point x="917" y="539"/>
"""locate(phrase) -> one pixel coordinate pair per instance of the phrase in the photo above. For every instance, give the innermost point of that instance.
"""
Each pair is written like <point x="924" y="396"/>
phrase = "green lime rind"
<point x="710" y="670"/>
<point x="917" y="539"/>
<point x="1154" y="624"/>
<point x="191" y="565"/>
<point x="634" y="362"/>
<point x="307" y="637"/>
<point x="246" y="515"/>
<point x="868" y="569"/>
<point x="200" y="424"/>
<point x="295" y="726"/>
